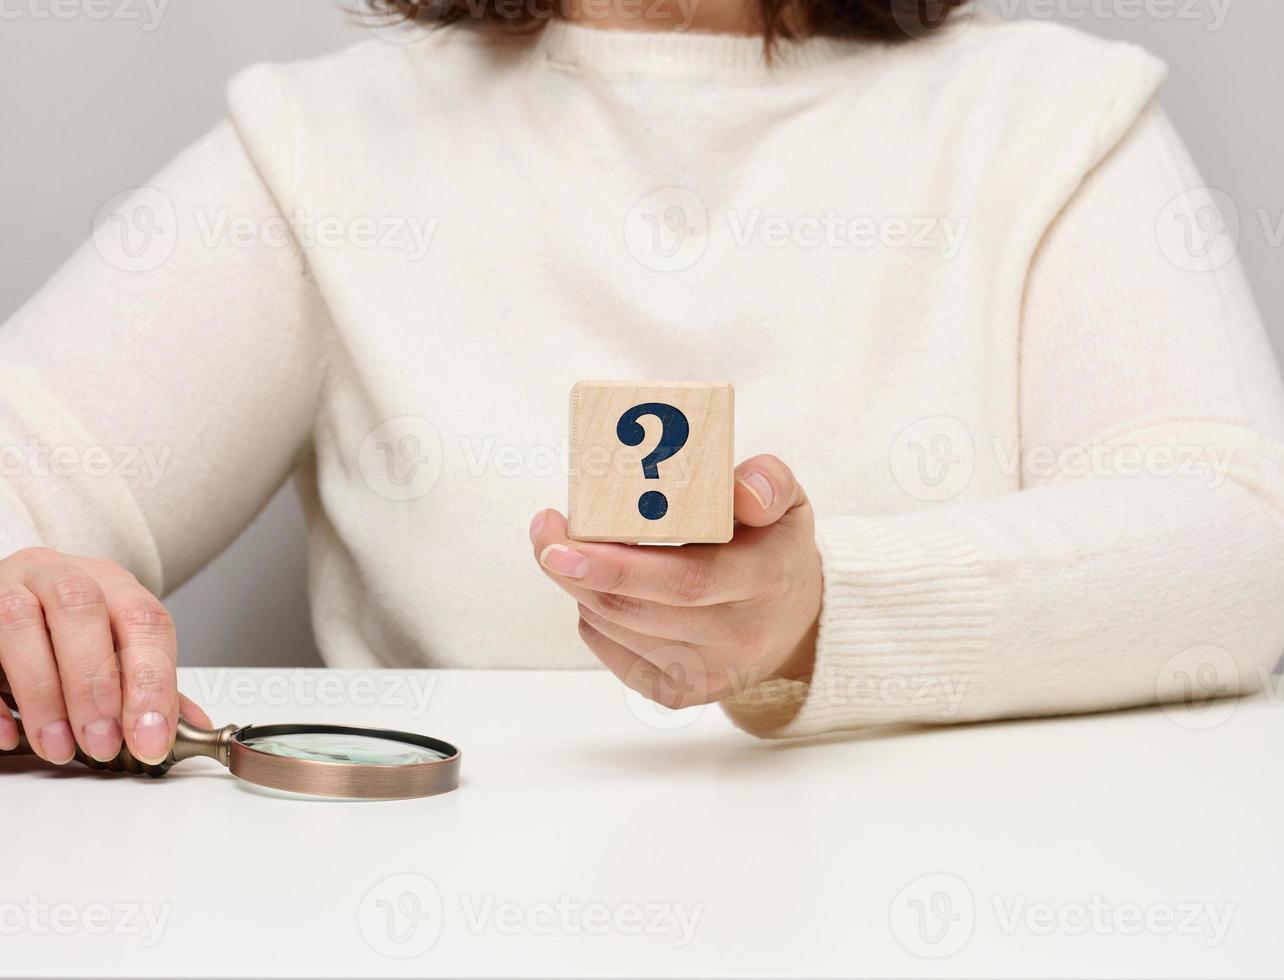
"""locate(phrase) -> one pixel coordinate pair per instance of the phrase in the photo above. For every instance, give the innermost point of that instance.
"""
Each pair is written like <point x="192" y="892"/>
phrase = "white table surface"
<point x="593" y="836"/>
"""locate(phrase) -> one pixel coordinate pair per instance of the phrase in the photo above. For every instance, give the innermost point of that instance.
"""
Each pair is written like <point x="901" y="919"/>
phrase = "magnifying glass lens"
<point x="345" y="748"/>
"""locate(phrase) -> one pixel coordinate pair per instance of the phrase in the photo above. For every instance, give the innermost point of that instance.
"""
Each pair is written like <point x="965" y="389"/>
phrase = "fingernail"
<point x="151" y="738"/>
<point x="537" y="525"/>
<point x="56" y="742"/>
<point x="102" y="738"/>
<point x="760" y="487"/>
<point x="564" y="561"/>
<point x="8" y="734"/>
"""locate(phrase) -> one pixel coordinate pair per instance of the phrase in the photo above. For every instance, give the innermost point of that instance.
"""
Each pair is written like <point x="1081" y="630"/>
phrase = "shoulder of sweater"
<point x="986" y="35"/>
<point x="379" y="76"/>
<point x="1030" y="56"/>
<point x="1046" y="83"/>
<point x="357" y="98"/>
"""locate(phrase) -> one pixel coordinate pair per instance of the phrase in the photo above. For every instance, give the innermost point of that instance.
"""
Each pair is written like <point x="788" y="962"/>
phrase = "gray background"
<point x="94" y="106"/>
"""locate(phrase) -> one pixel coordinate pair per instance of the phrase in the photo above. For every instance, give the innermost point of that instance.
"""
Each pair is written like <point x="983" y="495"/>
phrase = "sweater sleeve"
<point x="158" y="390"/>
<point x="1144" y="552"/>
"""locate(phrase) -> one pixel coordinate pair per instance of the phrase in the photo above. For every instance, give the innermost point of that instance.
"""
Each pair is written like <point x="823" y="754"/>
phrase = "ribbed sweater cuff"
<point x="907" y="621"/>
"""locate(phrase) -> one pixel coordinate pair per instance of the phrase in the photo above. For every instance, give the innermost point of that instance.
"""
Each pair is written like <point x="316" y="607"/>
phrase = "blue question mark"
<point x="674" y="431"/>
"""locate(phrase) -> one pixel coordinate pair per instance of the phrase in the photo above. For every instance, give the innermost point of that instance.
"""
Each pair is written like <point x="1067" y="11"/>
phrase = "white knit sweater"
<point x="958" y="288"/>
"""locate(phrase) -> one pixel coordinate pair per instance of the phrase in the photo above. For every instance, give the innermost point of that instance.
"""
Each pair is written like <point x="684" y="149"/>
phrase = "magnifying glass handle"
<point x="124" y="760"/>
<point x="190" y="742"/>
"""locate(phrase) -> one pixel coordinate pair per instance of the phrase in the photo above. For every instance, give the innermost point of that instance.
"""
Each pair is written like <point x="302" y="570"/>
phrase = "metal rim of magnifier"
<point x="339" y="779"/>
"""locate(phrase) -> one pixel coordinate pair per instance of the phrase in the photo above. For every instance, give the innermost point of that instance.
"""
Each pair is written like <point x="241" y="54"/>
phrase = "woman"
<point x="1027" y="428"/>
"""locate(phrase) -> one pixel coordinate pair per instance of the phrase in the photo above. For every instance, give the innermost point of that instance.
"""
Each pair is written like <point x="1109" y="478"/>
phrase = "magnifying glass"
<point x="315" y="760"/>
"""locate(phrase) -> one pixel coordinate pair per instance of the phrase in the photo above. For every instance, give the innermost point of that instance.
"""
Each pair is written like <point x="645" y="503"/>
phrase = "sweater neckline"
<point x="682" y="54"/>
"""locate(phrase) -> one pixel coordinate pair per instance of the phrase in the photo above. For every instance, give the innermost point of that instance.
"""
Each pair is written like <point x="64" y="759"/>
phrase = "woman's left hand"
<point x="694" y="624"/>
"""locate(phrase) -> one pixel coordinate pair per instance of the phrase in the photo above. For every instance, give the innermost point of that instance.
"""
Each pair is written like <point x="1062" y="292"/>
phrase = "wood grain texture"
<point x="607" y="478"/>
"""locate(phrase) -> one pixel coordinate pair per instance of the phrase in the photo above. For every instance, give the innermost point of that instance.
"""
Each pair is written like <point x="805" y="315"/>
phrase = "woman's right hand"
<point x="88" y="655"/>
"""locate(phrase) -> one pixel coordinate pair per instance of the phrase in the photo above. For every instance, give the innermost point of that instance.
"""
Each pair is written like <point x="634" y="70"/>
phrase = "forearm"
<point x="146" y="414"/>
<point x="1070" y="598"/>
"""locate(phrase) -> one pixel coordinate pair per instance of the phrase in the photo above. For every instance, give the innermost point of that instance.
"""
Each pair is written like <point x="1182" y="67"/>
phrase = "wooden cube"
<point x="651" y="463"/>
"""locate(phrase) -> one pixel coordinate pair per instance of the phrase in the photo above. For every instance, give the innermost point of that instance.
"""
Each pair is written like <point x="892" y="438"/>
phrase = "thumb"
<point x="191" y="711"/>
<point x="765" y="491"/>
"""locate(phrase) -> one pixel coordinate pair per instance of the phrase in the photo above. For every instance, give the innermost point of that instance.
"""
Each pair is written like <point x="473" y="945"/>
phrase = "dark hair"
<point x="883" y="20"/>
